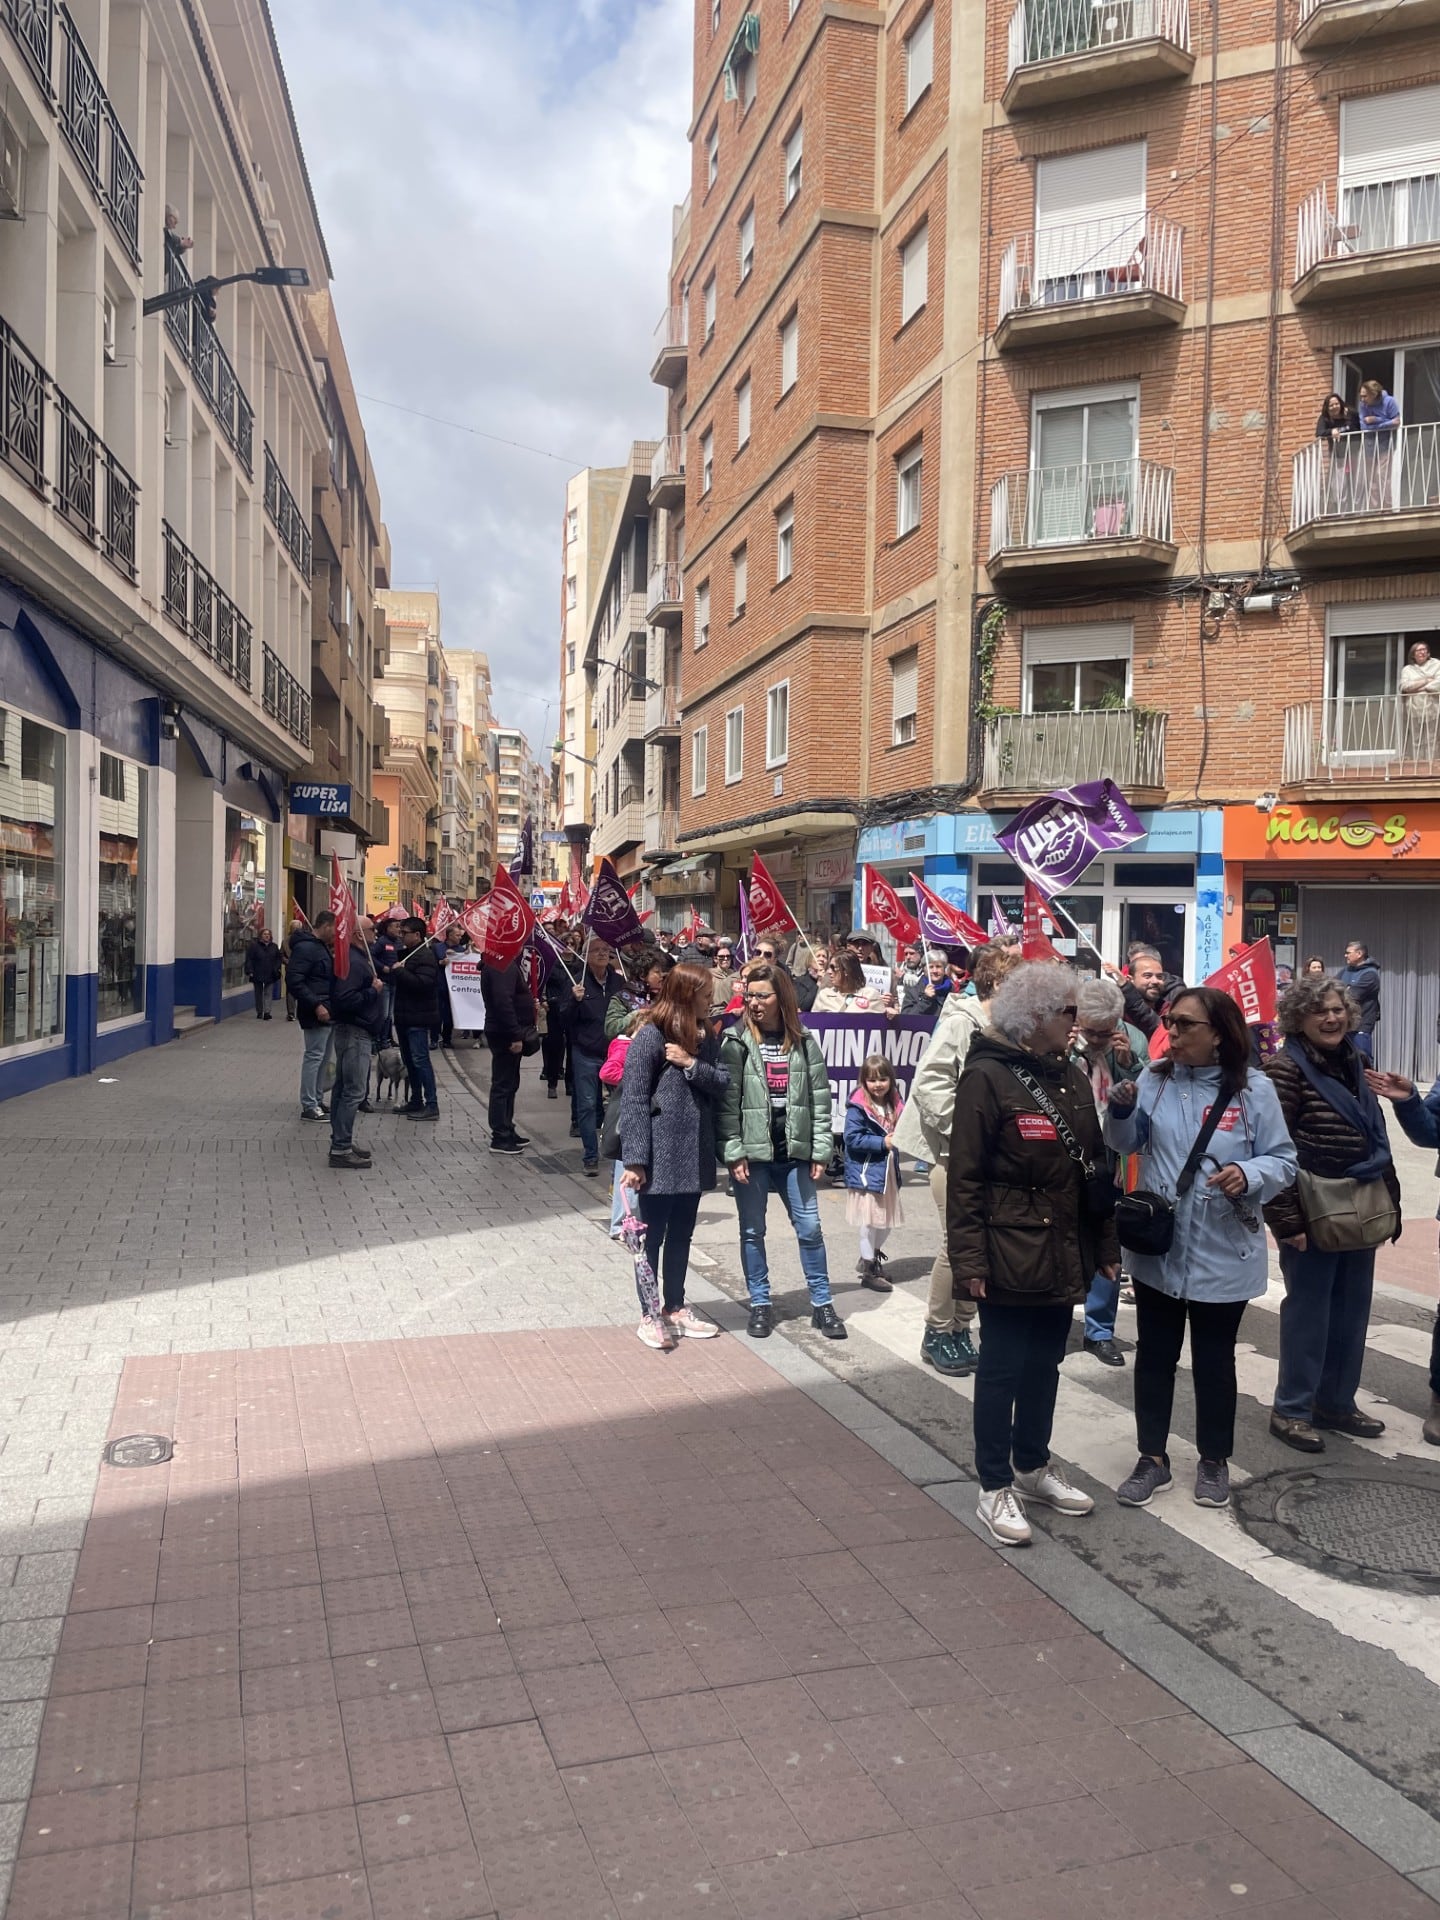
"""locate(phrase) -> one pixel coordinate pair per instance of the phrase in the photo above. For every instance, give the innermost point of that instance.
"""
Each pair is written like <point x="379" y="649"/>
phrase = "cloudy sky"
<point x="495" y="181"/>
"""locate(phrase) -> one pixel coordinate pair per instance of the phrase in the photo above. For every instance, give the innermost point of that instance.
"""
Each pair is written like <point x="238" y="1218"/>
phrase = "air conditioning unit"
<point x="12" y="171"/>
<point x="110" y="322"/>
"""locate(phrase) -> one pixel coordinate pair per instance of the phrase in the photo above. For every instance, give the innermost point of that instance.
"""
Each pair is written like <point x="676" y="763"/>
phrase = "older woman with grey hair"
<point x="1107" y="1050"/>
<point x="1029" y="1223"/>
<point x="1339" y="1132"/>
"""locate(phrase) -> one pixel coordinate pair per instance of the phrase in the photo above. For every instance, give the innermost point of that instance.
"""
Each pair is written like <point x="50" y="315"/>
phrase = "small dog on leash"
<point x="389" y="1072"/>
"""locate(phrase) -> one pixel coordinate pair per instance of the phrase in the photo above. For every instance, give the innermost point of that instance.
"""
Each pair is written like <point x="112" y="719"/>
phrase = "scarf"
<point x="1360" y="1111"/>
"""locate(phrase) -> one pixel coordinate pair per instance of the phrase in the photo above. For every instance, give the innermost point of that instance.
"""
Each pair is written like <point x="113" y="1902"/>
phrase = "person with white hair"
<point x="1107" y="1049"/>
<point x="1029" y="1217"/>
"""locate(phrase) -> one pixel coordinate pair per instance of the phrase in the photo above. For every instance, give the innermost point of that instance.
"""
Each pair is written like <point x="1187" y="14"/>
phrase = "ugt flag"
<point x="608" y="912"/>
<point x="944" y="925"/>
<point x="767" y="904"/>
<point x="342" y="905"/>
<point x="881" y="906"/>
<point x="1054" y="840"/>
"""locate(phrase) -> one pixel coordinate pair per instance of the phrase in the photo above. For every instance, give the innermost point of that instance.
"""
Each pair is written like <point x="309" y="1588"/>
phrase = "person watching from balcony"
<point x="1335" y="422"/>
<point x="1377" y="414"/>
<point x="1420" y="697"/>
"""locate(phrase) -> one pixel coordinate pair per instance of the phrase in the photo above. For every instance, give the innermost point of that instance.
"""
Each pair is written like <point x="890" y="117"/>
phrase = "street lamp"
<point x="204" y="290"/>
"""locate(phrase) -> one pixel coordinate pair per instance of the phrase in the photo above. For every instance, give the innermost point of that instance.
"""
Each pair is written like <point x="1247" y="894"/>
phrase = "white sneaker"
<point x="688" y="1323"/>
<point x="1004" y="1515"/>
<point x="655" y="1334"/>
<point x="1049" y="1486"/>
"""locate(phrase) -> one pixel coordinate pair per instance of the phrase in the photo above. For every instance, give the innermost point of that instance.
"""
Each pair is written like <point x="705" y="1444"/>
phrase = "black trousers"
<point x="669" y="1228"/>
<point x="504" y="1085"/>
<point x="552" y="1058"/>
<point x="1015" y="1387"/>
<point x="1160" y="1323"/>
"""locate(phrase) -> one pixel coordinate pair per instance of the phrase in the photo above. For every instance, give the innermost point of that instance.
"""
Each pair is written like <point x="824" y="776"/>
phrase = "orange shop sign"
<point x="1363" y="832"/>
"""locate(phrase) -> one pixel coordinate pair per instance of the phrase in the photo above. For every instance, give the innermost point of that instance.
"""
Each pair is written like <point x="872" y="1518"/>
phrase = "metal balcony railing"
<point x="1360" y="474"/>
<point x="1050" y="29"/>
<point x="285" y="515"/>
<point x="1091" y="260"/>
<point x="1390" y="736"/>
<point x="672" y="331"/>
<point x="283" y="697"/>
<point x="1341" y="219"/>
<point x="662" y="708"/>
<point x="23" y="387"/>
<point x="669" y="460"/>
<point x="96" y="137"/>
<point x="33" y="24"/>
<point x="1033" y="752"/>
<point x="117" y="527"/>
<point x="75" y="477"/>
<point x="1065" y="506"/>
<point x="194" y="600"/>
<point x="199" y="346"/>
<point x="665" y="586"/>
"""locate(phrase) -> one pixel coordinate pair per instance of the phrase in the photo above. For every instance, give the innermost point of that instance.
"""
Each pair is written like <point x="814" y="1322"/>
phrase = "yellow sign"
<point x="1358" y="830"/>
<point x="381" y="890"/>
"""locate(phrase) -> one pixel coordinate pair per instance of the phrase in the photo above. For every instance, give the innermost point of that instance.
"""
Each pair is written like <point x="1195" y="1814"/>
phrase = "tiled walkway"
<point x="547" y="1625"/>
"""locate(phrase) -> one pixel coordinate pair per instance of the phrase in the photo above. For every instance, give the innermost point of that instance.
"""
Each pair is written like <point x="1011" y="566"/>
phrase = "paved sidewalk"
<point x="546" y="1625"/>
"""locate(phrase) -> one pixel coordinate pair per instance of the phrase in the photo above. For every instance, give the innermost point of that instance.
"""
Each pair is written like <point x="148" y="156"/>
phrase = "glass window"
<point x="712" y="156"/>
<point x="742" y="414"/>
<point x="789" y="352"/>
<point x="707" y="296"/>
<point x="777" y="724"/>
<point x="122" y="853"/>
<point x="794" y="163"/>
<point x="707" y="460"/>
<point x="702" y="614"/>
<point x="32" y="795"/>
<point x="242" y="901"/>
<point x="785" y="541"/>
<point x="914" y="272"/>
<point x="747" y="242"/>
<point x="740" y="560"/>
<point x="734" y="744"/>
<point x="904" y="695"/>
<point x="699" y="759"/>
<point x="908" y="470"/>
<point x="919" y="59"/>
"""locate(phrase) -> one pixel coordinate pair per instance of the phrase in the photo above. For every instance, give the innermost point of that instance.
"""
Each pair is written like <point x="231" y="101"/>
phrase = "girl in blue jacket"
<point x="872" y="1166"/>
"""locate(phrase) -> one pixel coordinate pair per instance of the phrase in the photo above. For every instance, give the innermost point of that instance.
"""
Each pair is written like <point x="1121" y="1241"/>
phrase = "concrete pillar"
<point x="199" y="865"/>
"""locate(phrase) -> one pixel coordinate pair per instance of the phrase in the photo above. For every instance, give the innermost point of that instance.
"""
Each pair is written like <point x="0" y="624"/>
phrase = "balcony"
<point x="91" y="128"/>
<point x="198" y="345"/>
<point x="1034" y="753"/>
<point x="667" y="473"/>
<point x="664" y="603"/>
<point x="662" y="712"/>
<point x="1071" y="49"/>
<point x="1329" y="23"/>
<point x="283" y="697"/>
<point x="24" y="385"/>
<point x="625" y="827"/>
<point x="1368" y="497"/>
<point x="1108" y="519"/>
<point x="286" y="517"/>
<point x="195" y="602"/>
<point x="1362" y="745"/>
<point x="672" y="347"/>
<point x="1367" y="240"/>
<point x="1096" y="277"/>
<point x="662" y="830"/>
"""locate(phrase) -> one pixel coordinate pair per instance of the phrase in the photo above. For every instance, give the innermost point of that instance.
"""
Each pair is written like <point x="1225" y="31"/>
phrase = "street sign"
<point x="312" y="797"/>
<point x="538" y="901"/>
<point x="393" y="872"/>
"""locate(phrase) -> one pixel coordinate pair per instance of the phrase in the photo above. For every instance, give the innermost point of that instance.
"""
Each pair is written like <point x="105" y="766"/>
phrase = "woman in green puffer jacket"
<point x="775" y="1138"/>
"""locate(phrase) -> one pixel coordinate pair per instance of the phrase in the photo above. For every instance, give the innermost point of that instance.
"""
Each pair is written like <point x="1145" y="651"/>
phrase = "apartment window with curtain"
<point x="1083" y="444"/>
<point x="794" y="162"/>
<point x="904" y="691"/>
<point x="712" y="156"/>
<point x="785" y="542"/>
<point x="699" y="759"/>
<point x="747" y="242"/>
<point x="789" y="351"/>
<point x="572" y="525"/>
<point x="734" y="745"/>
<point x="777" y="724"/>
<point x="740" y="561"/>
<point x="707" y="299"/>
<point x="707" y="460"/>
<point x="915" y="272"/>
<point x="742" y="414"/>
<point x="702" y="614"/>
<point x="919" y="58"/>
<point x="909" y="467"/>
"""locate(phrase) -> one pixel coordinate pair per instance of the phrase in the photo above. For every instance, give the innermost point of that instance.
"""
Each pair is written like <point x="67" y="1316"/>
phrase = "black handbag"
<point x="1145" y="1221"/>
<point x="1098" y="1182"/>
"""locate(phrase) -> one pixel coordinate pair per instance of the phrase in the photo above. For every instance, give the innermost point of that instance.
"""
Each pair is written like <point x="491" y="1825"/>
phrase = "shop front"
<point x="1313" y="877"/>
<point x="684" y="888"/>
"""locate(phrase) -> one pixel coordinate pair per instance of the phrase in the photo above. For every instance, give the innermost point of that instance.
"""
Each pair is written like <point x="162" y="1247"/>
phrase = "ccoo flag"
<point x="881" y="906"/>
<point x="1056" y="839"/>
<point x="768" y="909"/>
<point x="942" y="924"/>
<point x="342" y="905"/>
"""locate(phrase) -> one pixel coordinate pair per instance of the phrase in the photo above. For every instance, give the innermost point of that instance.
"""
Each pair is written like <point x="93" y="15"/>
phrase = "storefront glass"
<point x="32" y="791"/>
<point x="122" y="854"/>
<point x="243" y="901"/>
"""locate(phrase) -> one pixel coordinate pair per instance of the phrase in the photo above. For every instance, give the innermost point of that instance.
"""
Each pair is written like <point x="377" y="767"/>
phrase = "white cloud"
<point x="495" y="186"/>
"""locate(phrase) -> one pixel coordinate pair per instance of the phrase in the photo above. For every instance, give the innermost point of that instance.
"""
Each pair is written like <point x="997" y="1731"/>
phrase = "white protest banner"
<point x="878" y="979"/>
<point x="467" y="1002"/>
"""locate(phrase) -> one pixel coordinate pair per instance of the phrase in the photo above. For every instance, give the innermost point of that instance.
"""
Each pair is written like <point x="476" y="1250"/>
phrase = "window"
<point x="742" y="414"/>
<point x="777" y="724"/>
<point x="919" y="58"/>
<point x="744" y="79"/>
<point x="572" y="525"/>
<point x="904" y="687"/>
<point x="707" y="296"/>
<point x="699" y="759"/>
<point x="740" y="561"/>
<point x="570" y="658"/>
<point x="908" y="468"/>
<point x="571" y="593"/>
<point x="712" y="156"/>
<point x="1082" y="460"/>
<point x="1074" y="669"/>
<point x="121" y="852"/>
<point x="789" y="352"/>
<point x="794" y="162"/>
<point x="734" y="745"/>
<point x="707" y="460"/>
<point x="569" y="789"/>
<point x="747" y="242"/>
<point x="785" y="542"/>
<point x="570" y="723"/>
<point x="914" y="272"/>
<point x="702" y="614"/>
<point x="1089" y="223"/>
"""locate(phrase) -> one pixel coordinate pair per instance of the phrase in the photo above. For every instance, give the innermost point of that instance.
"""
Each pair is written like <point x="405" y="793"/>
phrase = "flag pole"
<point x="1054" y="906"/>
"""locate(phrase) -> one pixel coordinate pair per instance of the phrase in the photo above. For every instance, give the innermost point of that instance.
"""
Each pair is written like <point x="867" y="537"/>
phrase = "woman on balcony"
<point x="1420" y="697"/>
<point x="1335" y="423"/>
<point x="1377" y="414"/>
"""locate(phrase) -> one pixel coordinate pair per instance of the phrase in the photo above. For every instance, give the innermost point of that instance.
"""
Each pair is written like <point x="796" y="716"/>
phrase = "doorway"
<point x="1398" y="926"/>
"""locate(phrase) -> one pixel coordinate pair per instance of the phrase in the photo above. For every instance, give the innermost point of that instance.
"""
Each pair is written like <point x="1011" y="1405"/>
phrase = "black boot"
<point x="825" y="1320"/>
<point x="761" y="1323"/>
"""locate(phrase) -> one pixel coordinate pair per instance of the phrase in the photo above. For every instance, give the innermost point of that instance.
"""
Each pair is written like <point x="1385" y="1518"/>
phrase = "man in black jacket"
<point x="509" y="1017"/>
<point x="1361" y="975"/>
<point x="416" y="980"/>
<point x="262" y="970"/>
<point x="584" y="1022"/>
<point x="1148" y="991"/>
<point x="308" y="979"/>
<point x="351" y="1013"/>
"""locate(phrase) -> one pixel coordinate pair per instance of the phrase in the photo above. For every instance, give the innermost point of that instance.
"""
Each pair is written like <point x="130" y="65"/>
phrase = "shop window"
<point x="243" y="898"/>
<point x="120" y="892"/>
<point x="32" y="783"/>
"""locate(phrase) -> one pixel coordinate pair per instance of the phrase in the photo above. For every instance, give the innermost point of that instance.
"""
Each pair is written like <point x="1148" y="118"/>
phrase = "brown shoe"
<point x="1296" y="1433"/>
<point x="1363" y="1426"/>
<point x="1431" y="1429"/>
<point x="876" y="1281"/>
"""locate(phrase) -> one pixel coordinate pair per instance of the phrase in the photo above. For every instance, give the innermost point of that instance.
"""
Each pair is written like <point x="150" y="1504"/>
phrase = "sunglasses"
<point x="1179" y="1023"/>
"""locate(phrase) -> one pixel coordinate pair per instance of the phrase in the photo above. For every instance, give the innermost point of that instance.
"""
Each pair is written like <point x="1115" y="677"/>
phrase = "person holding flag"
<point x="415" y="979"/>
<point x="351" y="1013"/>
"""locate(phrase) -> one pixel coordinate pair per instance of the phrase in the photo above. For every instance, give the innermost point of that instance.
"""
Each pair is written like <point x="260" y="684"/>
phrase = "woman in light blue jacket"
<point x="1217" y="1260"/>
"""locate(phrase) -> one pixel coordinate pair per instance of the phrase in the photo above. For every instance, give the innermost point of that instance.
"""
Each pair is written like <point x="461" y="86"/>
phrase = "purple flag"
<point x="747" y="927"/>
<point x="1055" y="840"/>
<point x="524" y="861"/>
<point x="1000" y="927"/>
<point x="609" y="914"/>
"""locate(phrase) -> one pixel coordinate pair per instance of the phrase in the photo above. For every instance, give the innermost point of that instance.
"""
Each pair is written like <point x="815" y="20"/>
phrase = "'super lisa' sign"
<point x="326" y="802"/>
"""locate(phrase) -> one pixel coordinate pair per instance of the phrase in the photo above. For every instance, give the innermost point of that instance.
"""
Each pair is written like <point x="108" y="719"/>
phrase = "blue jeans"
<point x="791" y="1180"/>
<point x="1323" y="1322"/>
<point x="617" y="1205"/>
<point x="415" y="1045"/>
<point x="352" y="1065"/>
<point x="586" y="1072"/>
<point x="1102" y="1303"/>
<point x="318" y="1041"/>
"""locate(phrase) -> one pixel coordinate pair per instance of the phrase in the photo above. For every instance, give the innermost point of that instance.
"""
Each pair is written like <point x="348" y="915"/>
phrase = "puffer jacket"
<point x="1017" y="1210"/>
<point x="929" y="1115"/>
<point x="745" y="1102"/>
<point x="309" y="976"/>
<point x="1215" y="1255"/>
<point x="1324" y="1142"/>
<point x="866" y="1153"/>
<point x="354" y="1000"/>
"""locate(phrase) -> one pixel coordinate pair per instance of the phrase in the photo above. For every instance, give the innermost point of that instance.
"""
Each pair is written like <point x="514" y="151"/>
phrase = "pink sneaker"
<point x="684" y="1320"/>
<point x="655" y="1334"/>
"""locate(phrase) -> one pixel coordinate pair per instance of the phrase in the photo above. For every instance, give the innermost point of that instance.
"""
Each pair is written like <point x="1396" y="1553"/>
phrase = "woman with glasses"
<point x="844" y="983"/>
<point x="1216" y="1261"/>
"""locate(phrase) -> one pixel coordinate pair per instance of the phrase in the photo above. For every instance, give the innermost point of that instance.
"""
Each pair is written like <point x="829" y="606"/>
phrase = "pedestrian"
<point x="1420" y="702"/>
<point x="1420" y="1118"/>
<point x="1316" y="964"/>
<point x="263" y="962"/>
<point x="911" y="971"/>
<point x="872" y="1166"/>
<point x="509" y="1029"/>
<point x="844" y="985"/>
<point x="1338" y="1128"/>
<point x="925" y="997"/>
<point x="1332" y="430"/>
<point x="297" y="925"/>
<point x="416" y="979"/>
<point x="722" y="974"/>
<point x="700" y="949"/>
<point x="1198" y="1108"/>
<point x="1377" y="415"/>
<point x="774" y="1138"/>
<point x="308" y="979"/>
<point x="352" y="1009"/>
<point x="1148" y="989"/>
<point x="584" y="1021"/>
<point x="668" y="1098"/>
<point x="1029" y="1224"/>
<point x="385" y="952"/>
<point x="1362" y="977"/>
<point x="642" y="989"/>
<point x="453" y="944"/>
<point x="924" y="1131"/>
<point x="1107" y="1049"/>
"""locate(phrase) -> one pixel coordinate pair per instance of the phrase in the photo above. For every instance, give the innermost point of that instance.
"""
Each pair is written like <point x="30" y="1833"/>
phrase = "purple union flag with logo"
<point x="1054" y="840"/>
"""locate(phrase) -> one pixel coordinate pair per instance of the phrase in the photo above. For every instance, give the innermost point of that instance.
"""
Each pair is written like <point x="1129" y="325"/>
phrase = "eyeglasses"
<point x="1069" y="1012"/>
<point x="1178" y="1023"/>
<point x="1098" y="1036"/>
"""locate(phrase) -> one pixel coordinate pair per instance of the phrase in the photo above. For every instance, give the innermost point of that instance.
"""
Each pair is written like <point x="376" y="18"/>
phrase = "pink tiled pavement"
<point x="545" y="1624"/>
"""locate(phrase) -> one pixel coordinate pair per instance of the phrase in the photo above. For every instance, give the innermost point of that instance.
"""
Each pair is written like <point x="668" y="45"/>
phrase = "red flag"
<point x="767" y="904"/>
<point x="881" y="906"/>
<point x="343" y="908"/>
<point x="1035" y="942"/>
<point x="501" y="922"/>
<point x="1249" y="979"/>
<point x="943" y="917"/>
<point x="442" y="915"/>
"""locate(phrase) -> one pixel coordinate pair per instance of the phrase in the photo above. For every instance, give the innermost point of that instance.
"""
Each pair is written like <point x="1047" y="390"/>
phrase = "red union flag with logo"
<point x="442" y="915"/>
<point x="1249" y="979"/>
<point x="501" y="922"/>
<point x="881" y="906"/>
<point x="343" y="908"/>
<point x="767" y="904"/>
<point x="1034" y="937"/>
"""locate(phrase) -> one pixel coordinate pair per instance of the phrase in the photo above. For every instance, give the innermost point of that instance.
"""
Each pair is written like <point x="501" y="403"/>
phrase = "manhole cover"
<point x="139" y="1450"/>
<point x="1382" y="1529"/>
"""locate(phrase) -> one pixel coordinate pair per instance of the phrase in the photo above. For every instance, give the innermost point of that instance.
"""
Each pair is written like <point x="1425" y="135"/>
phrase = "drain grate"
<point x="1380" y="1529"/>
<point x="139" y="1450"/>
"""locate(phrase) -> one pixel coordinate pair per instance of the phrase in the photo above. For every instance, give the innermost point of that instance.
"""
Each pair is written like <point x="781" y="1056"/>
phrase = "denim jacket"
<point x="1216" y="1255"/>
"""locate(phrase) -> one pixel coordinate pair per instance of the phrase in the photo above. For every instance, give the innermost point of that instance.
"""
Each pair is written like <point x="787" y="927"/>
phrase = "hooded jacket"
<point x="309" y="976"/>
<point x="929" y="1115"/>
<point x="1017" y="1209"/>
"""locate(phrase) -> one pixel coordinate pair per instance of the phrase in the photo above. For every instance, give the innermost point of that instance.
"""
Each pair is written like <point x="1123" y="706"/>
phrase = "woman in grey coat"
<point x="673" y="1079"/>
